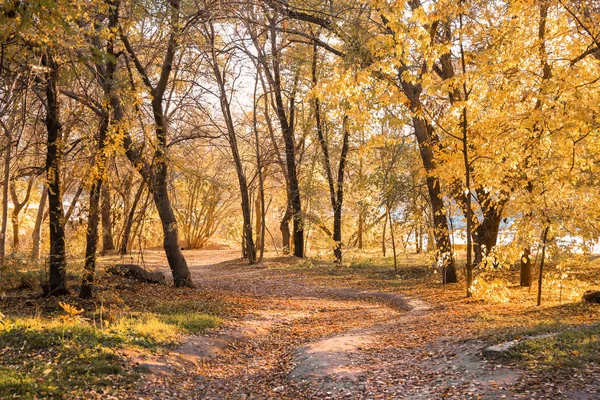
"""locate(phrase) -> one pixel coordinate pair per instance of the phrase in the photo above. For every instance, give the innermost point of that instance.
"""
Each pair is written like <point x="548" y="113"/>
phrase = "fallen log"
<point x="139" y="273"/>
<point x="591" y="296"/>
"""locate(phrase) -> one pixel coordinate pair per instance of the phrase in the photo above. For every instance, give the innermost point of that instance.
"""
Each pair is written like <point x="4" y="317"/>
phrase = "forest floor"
<point x="290" y="328"/>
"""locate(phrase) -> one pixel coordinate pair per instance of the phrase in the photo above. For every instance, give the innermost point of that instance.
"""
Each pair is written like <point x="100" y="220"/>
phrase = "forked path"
<point x="301" y="339"/>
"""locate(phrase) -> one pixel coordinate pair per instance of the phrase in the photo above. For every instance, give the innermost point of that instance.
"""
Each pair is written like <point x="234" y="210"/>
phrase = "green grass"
<point x="569" y="349"/>
<point x="12" y="382"/>
<point x="52" y="358"/>
<point x="47" y="359"/>
<point x="191" y="322"/>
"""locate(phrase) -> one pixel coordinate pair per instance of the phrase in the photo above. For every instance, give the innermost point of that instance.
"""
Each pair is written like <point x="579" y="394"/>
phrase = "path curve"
<point x="302" y="340"/>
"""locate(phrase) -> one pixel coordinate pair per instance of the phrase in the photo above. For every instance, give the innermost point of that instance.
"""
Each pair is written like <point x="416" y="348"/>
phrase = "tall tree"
<point x="336" y="188"/>
<point x="220" y="76"/>
<point x="271" y="67"/>
<point x="156" y="172"/>
<point x="57" y="281"/>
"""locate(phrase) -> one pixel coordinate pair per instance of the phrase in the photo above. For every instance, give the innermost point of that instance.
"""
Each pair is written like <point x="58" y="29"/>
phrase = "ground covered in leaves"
<point x="290" y="328"/>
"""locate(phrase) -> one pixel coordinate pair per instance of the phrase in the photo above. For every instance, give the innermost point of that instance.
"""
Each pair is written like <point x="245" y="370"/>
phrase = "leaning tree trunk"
<point x="57" y="282"/>
<point x="156" y="176"/>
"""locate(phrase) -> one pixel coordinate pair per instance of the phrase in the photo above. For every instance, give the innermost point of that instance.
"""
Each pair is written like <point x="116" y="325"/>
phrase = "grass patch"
<point x="567" y="350"/>
<point x="48" y="359"/>
<point x="191" y="322"/>
<point x="56" y="357"/>
<point x="14" y="383"/>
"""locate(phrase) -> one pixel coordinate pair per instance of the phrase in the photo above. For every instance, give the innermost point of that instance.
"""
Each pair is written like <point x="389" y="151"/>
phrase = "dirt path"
<point x="305" y="340"/>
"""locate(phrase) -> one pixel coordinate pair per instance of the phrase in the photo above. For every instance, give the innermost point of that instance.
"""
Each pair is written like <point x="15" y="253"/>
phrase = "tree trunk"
<point x="130" y="219"/>
<point x="160" y="194"/>
<point x="383" y="233"/>
<point x="260" y="199"/>
<point x="93" y="214"/>
<point x="107" y="231"/>
<point x="526" y="267"/>
<point x="156" y="172"/>
<point x="57" y="282"/>
<point x="389" y="213"/>
<point x="284" y="227"/>
<point x="249" y="247"/>
<point x="258" y="215"/>
<point x="467" y="166"/>
<point x="37" y="229"/>
<point x="337" y="233"/>
<point x="287" y="123"/>
<point x="247" y="218"/>
<point x="361" y="205"/>
<point x="179" y="268"/>
<point x="73" y="204"/>
<point x="7" y="158"/>
<point x="14" y="220"/>
<point x="423" y="132"/>
<point x="469" y="266"/>
<point x="485" y="234"/>
<point x="336" y="190"/>
<point x="298" y="226"/>
<point x="541" y="274"/>
<point x="337" y="210"/>
<point x="17" y="208"/>
<point x="360" y="228"/>
<point x="138" y="223"/>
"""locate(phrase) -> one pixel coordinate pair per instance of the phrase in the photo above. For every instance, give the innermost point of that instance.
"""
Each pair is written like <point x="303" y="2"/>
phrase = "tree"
<point x="57" y="281"/>
<point x="271" y="68"/>
<point x="156" y="172"/>
<point x="405" y="80"/>
<point x="336" y="188"/>
<point x="218" y="57"/>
